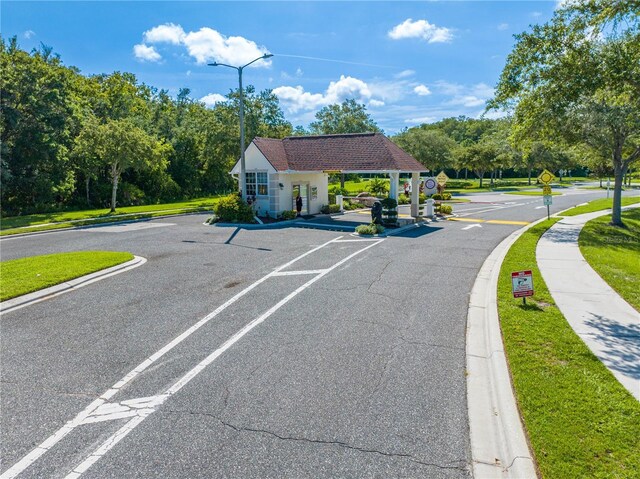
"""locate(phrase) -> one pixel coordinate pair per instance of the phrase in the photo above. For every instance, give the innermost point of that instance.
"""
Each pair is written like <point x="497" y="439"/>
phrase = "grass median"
<point x="45" y="221"/>
<point x="599" y="205"/>
<point x="614" y="253"/>
<point x="26" y="275"/>
<point x="580" y="421"/>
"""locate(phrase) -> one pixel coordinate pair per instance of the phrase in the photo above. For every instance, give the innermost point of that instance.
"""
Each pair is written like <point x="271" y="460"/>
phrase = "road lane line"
<point x="112" y="440"/>
<point x="294" y="273"/>
<point x="57" y="436"/>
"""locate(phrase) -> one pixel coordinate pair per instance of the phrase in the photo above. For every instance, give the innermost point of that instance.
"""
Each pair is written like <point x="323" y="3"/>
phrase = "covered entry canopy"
<point x="303" y="158"/>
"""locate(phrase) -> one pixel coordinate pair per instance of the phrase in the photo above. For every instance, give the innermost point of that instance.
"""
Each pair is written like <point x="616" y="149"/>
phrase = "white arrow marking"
<point x="538" y="207"/>
<point x="474" y="225"/>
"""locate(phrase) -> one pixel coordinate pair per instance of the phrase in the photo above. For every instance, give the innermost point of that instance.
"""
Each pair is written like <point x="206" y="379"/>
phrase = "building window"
<point x="257" y="183"/>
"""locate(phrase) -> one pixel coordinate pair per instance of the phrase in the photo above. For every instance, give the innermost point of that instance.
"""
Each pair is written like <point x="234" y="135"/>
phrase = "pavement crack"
<point x="345" y="445"/>
<point x="459" y="465"/>
<point x="391" y="357"/>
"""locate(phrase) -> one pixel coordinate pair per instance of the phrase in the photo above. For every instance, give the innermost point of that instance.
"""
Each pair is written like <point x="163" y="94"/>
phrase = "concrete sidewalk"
<point x="608" y="325"/>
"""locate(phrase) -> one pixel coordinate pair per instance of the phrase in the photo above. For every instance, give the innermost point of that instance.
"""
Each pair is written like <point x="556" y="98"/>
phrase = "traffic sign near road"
<point x="546" y="190"/>
<point x="547" y="200"/>
<point x="442" y="178"/>
<point x="522" y="283"/>
<point x="546" y="177"/>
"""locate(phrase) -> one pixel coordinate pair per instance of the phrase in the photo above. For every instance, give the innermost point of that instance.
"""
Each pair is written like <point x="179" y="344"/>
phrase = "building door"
<point x="301" y="189"/>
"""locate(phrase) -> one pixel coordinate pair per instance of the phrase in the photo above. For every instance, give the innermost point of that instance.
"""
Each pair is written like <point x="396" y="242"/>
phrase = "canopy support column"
<point x="415" y="194"/>
<point x="394" y="178"/>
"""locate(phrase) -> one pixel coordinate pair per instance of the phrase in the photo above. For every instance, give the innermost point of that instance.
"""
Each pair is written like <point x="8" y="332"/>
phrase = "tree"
<point x="578" y="76"/>
<point x="432" y="148"/>
<point x="479" y="158"/>
<point x="120" y="145"/>
<point x="378" y="186"/>
<point x="347" y="117"/>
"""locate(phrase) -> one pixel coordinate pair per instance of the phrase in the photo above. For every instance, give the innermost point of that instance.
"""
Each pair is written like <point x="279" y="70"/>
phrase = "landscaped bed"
<point x="26" y="275"/>
<point x="580" y="420"/>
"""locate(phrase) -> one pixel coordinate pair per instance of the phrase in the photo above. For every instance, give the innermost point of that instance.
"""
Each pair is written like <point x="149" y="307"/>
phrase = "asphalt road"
<point x="348" y="362"/>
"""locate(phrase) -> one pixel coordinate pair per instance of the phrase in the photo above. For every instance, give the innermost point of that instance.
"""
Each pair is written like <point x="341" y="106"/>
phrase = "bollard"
<point x="429" y="208"/>
<point x="339" y="202"/>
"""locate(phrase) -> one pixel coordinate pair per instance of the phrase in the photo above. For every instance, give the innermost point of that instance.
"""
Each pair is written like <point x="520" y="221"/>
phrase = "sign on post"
<point x="522" y="284"/>
<point x="546" y="177"/>
<point x="546" y="190"/>
<point x="547" y="200"/>
<point x="442" y="178"/>
<point x="430" y="186"/>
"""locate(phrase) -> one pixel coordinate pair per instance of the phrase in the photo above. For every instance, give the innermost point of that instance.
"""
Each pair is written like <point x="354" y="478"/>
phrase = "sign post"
<point x="522" y="284"/>
<point x="545" y="178"/>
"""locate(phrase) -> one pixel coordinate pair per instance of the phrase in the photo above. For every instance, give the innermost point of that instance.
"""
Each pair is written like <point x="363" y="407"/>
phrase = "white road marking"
<point x="474" y="225"/>
<point x="356" y="240"/>
<point x="294" y="273"/>
<point x="57" y="436"/>
<point x="125" y="228"/>
<point x="184" y="380"/>
<point x="539" y="207"/>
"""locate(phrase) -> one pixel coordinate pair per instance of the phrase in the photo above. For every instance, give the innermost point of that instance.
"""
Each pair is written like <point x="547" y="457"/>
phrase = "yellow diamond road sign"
<point x="546" y="190"/>
<point x="546" y="177"/>
<point x="442" y="178"/>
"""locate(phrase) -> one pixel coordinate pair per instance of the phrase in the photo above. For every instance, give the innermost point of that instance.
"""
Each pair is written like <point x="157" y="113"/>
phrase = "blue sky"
<point x="409" y="62"/>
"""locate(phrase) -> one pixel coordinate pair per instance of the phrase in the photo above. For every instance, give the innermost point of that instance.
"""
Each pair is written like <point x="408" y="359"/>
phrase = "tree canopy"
<point x="578" y="77"/>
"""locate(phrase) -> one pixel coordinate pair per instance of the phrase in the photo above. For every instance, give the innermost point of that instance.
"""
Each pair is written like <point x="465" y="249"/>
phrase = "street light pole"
<point x="243" y="176"/>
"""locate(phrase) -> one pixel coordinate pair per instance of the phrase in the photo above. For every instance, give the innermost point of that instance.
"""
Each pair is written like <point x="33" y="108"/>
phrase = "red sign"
<point x="522" y="284"/>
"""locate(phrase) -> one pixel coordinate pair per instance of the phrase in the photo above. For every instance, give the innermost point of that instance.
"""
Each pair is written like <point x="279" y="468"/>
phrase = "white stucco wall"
<point x="318" y="180"/>
<point x="278" y="199"/>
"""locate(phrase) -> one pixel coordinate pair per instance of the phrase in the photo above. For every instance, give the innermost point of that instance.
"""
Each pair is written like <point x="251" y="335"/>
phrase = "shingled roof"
<point x="346" y="152"/>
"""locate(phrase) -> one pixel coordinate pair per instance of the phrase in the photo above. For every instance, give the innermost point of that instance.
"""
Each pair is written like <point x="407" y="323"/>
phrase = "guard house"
<point x="278" y="170"/>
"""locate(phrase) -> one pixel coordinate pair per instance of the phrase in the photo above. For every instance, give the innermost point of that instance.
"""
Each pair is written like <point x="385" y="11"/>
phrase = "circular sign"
<point x="429" y="183"/>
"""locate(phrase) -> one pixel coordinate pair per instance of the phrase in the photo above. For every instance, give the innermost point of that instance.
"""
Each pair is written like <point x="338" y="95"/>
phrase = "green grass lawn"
<point x="615" y="253"/>
<point x="580" y="421"/>
<point x="26" y="275"/>
<point x="598" y="205"/>
<point x="62" y="217"/>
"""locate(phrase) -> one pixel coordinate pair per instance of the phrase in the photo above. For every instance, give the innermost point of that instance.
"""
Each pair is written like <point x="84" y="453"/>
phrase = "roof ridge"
<point x="305" y="137"/>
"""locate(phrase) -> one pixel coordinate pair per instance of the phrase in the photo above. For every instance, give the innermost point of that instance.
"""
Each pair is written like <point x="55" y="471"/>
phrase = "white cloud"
<point x="207" y="45"/>
<point x="467" y="100"/>
<point x="375" y="103"/>
<point x="467" y="96"/>
<point x="296" y="98"/>
<point x="420" y="120"/>
<point x="503" y="26"/>
<point x="167" y="33"/>
<point x="28" y="34"/>
<point x="146" y="53"/>
<point x="212" y="98"/>
<point x="536" y="14"/>
<point x="405" y="74"/>
<point x="422" y="90"/>
<point x="299" y="72"/>
<point x="421" y="29"/>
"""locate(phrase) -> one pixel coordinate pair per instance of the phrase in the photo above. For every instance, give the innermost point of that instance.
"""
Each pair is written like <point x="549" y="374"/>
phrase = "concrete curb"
<point x="53" y="291"/>
<point x="499" y="446"/>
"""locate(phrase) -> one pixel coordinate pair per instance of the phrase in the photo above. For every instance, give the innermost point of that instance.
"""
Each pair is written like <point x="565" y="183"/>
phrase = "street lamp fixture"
<point x="243" y="176"/>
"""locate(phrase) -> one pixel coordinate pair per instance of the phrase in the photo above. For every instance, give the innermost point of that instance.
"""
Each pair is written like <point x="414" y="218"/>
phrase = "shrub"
<point x="445" y="209"/>
<point x="288" y="214"/>
<point x="347" y="205"/>
<point x="336" y="190"/>
<point x="437" y="197"/>
<point x="378" y="186"/>
<point x="422" y="198"/>
<point x="231" y="209"/>
<point x="389" y="203"/>
<point x="328" y="209"/>
<point x="446" y="196"/>
<point x="370" y="229"/>
<point x="403" y="199"/>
